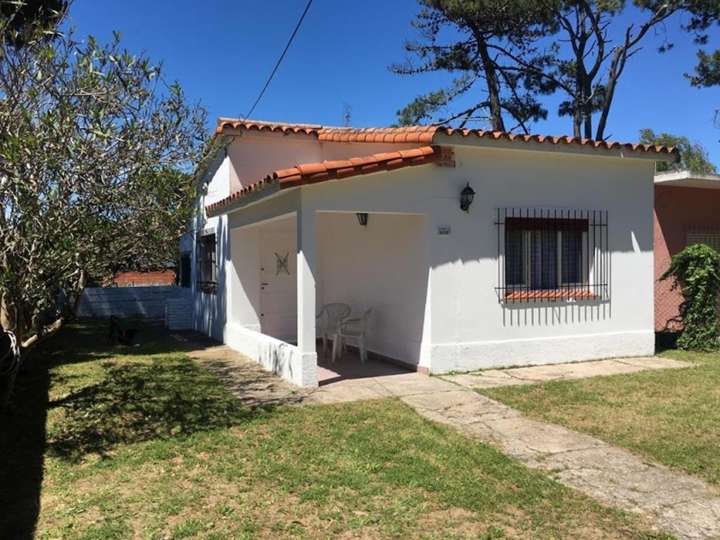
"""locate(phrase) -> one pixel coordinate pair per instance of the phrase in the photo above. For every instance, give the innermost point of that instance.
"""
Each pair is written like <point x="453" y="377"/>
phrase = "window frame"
<point x="593" y="256"/>
<point x="527" y="263"/>
<point x="206" y="262"/>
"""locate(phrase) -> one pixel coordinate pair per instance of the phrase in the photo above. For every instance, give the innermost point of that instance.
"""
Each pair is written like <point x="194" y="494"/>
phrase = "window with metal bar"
<point x="552" y="254"/>
<point x="206" y="264"/>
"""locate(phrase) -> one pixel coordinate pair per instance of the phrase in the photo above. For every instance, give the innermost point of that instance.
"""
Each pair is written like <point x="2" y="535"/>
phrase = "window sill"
<point x="550" y="294"/>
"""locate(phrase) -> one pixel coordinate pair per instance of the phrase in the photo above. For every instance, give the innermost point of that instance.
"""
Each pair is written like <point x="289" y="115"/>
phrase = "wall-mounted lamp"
<point x="362" y="218"/>
<point x="466" y="198"/>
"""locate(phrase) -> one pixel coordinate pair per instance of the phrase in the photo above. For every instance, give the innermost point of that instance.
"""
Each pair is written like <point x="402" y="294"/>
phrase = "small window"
<point x="206" y="263"/>
<point x="551" y="255"/>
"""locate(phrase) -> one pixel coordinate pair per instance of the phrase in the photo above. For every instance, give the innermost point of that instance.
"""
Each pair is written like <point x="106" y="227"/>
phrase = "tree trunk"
<point x="587" y="106"/>
<point x="493" y="86"/>
<point x="616" y="67"/>
<point x="579" y="98"/>
<point x="7" y="313"/>
<point x="8" y="360"/>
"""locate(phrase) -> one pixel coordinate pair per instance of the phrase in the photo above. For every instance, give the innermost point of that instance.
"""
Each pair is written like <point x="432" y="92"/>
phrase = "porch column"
<point x="306" y="270"/>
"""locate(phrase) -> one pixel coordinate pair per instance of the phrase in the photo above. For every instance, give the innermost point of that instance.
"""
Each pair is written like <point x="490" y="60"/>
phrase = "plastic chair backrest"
<point x="335" y="314"/>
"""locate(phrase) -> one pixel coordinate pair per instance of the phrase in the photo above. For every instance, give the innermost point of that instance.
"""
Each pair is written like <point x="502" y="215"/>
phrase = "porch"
<point x="282" y="270"/>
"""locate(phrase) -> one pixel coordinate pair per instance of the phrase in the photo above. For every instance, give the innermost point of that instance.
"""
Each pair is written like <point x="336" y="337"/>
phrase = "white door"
<point x="278" y="285"/>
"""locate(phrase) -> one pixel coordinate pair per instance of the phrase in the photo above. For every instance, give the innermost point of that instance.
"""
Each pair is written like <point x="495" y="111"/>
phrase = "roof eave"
<point x="260" y="195"/>
<point x="548" y="146"/>
<point x="688" y="179"/>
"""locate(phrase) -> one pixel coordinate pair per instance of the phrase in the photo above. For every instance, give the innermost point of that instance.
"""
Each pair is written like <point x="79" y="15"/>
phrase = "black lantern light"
<point x="362" y="218"/>
<point x="466" y="198"/>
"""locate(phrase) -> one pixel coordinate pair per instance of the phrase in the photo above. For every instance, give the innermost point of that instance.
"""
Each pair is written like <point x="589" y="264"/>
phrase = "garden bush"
<point x="696" y="270"/>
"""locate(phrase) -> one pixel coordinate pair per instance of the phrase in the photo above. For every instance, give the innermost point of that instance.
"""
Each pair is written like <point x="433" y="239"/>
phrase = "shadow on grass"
<point x="137" y="402"/>
<point x="104" y="397"/>
<point x="22" y="441"/>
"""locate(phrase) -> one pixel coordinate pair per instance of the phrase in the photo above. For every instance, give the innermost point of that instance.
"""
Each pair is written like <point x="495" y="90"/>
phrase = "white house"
<point x="551" y="262"/>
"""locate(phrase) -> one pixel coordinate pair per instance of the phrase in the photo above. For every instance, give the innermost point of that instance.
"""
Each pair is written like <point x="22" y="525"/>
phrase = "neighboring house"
<point x="551" y="262"/>
<point x="687" y="211"/>
<point x="143" y="279"/>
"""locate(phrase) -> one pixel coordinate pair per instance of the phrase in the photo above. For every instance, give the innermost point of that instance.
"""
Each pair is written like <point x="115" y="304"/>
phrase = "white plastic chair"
<point x="329" y="319"/>
<point x="354" y="329"/>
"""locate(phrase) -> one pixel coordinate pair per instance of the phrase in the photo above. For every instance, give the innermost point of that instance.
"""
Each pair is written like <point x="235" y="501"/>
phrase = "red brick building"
<point x="687" y="211"/>
<point x="144" y="279"/>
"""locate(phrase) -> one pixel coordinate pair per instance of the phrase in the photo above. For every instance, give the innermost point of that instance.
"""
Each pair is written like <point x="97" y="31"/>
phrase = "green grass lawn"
<point x="140" y="442"/>
<point x="671" y="416"/>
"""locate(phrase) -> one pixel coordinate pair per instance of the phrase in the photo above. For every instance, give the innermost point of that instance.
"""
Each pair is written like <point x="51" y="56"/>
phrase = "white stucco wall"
<point x="471" y="329"/>
<point x="382" y="266"/>
<point x="209" y="310"/>
<point x="254" y="155"/>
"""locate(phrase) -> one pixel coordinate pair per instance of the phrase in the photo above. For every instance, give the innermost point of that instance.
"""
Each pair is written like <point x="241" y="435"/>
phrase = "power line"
<point x="279" y="61"/>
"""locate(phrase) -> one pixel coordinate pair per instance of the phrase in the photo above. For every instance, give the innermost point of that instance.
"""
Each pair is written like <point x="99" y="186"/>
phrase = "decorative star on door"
<point x="281" y="264"/>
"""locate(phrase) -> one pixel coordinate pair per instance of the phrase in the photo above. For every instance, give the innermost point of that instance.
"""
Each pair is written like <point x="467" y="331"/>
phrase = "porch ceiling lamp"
<point x="362" y="218"/>
<point x="466" y="198"/>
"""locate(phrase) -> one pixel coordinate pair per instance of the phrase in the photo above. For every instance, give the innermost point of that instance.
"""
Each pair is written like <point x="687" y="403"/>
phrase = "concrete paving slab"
<point x="527" y="439"/>
<point x="692" y="520"/>
<point x="442" y="400"/>
<point x="353" y="390"/>
<point x="415" y="384"/>
<point x="655" y="362"/>
<point x="578" y="370"/>
<point x="493" y="378"/>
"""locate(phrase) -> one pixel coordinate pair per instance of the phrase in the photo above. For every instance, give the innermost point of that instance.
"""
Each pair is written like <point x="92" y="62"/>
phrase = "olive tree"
<point x="95" y="150"/>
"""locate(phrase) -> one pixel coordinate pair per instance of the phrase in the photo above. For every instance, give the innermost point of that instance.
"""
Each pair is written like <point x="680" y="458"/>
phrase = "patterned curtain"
<point x="572" y="257"/>
<point x="543" y="259"/>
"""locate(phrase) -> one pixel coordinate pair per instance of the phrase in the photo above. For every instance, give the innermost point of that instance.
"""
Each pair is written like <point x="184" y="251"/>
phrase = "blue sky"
<point x="221" y="51"/>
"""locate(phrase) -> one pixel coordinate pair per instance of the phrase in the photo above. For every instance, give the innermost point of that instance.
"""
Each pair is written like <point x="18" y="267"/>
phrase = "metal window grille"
<point x="552" y="254"/>
<point x="709" y="237"/>
<point x="207" y="265"/>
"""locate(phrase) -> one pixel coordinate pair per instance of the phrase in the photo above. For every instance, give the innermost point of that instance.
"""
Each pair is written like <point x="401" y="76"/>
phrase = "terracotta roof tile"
<point x="564" y="294"/>
<point x="423" y="135"/>
<point x="309" y="173"/>
<point x="261" y="125"/>
<point x="411" y="134"/>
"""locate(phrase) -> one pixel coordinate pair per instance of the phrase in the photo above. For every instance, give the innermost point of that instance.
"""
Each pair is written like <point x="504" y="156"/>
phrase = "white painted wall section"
<point x="382" y="266"/>
<point x="306" y="278"/>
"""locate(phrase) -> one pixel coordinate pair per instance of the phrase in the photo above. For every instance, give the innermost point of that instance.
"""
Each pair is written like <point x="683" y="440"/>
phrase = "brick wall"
<point x="144" y="279"/>
<point x="678" y="211"/>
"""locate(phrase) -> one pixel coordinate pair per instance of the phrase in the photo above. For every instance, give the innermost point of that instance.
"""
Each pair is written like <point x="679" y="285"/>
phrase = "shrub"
<point x="696" y="270"/>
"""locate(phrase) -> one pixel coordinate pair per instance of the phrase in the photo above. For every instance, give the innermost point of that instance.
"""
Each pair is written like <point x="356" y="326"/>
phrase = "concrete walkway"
<point x="674" y="502"/>
<point x="492" y="378"/>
